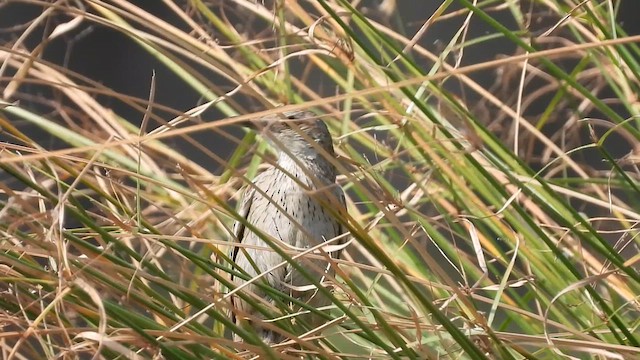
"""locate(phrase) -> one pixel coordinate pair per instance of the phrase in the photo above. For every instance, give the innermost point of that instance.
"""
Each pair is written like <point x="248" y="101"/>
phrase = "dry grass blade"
<point x="491" y="199"/>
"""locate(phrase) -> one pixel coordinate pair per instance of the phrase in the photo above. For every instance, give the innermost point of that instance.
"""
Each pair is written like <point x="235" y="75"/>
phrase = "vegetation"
<point x="488" y="220"/>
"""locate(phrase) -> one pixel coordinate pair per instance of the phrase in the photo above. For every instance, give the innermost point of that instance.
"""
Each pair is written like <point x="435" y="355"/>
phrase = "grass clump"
<point x="489" y="219"/>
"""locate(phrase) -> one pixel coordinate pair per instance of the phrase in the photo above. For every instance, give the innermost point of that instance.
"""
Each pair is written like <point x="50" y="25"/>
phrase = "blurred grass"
<point x="482" y="226"/>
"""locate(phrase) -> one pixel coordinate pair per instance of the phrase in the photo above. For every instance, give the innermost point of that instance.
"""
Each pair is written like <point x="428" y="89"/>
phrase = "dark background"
<point x="115" y="61"/>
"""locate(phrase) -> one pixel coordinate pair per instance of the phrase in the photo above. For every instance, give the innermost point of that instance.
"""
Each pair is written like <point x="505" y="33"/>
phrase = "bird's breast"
<point x="297" y="207"/>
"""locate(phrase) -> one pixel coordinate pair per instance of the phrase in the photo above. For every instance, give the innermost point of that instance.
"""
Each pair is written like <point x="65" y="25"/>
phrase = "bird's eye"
<point x="291" y="117"/>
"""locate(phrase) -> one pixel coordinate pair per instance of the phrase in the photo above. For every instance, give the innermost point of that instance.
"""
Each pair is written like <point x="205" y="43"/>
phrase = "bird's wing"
<point x="342" y="229"/>
<point x="238" y="233"/>
<point x="243" y="212"/>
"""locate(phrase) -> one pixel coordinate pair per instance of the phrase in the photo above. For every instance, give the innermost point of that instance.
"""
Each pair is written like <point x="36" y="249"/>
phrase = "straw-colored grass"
<point x="486" y="221"/>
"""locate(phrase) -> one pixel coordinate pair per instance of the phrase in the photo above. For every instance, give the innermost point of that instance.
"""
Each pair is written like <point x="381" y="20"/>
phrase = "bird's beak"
<point x="272" y="122"/>
<point x="258" y="124"/>
<point x="251" y="124"/>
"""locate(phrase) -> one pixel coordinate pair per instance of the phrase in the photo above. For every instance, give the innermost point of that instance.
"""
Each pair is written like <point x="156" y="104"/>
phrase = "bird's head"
<point x="300" y="134"/>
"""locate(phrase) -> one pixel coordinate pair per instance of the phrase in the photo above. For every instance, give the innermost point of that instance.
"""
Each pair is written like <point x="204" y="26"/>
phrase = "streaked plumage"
<point x="289" y="202"/>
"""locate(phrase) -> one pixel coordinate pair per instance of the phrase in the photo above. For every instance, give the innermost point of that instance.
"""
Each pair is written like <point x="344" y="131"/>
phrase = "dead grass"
<point x="487" y="219"/>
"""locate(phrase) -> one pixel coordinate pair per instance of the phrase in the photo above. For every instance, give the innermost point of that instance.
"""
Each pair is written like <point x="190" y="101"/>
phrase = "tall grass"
<point x="486" y="221"/>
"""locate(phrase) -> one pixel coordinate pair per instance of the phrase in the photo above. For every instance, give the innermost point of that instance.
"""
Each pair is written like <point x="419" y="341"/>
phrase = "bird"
<point x="293" y="203"/>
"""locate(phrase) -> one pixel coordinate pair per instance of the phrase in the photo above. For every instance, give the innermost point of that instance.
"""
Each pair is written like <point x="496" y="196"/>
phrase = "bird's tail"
<point x="269" y="337"/>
